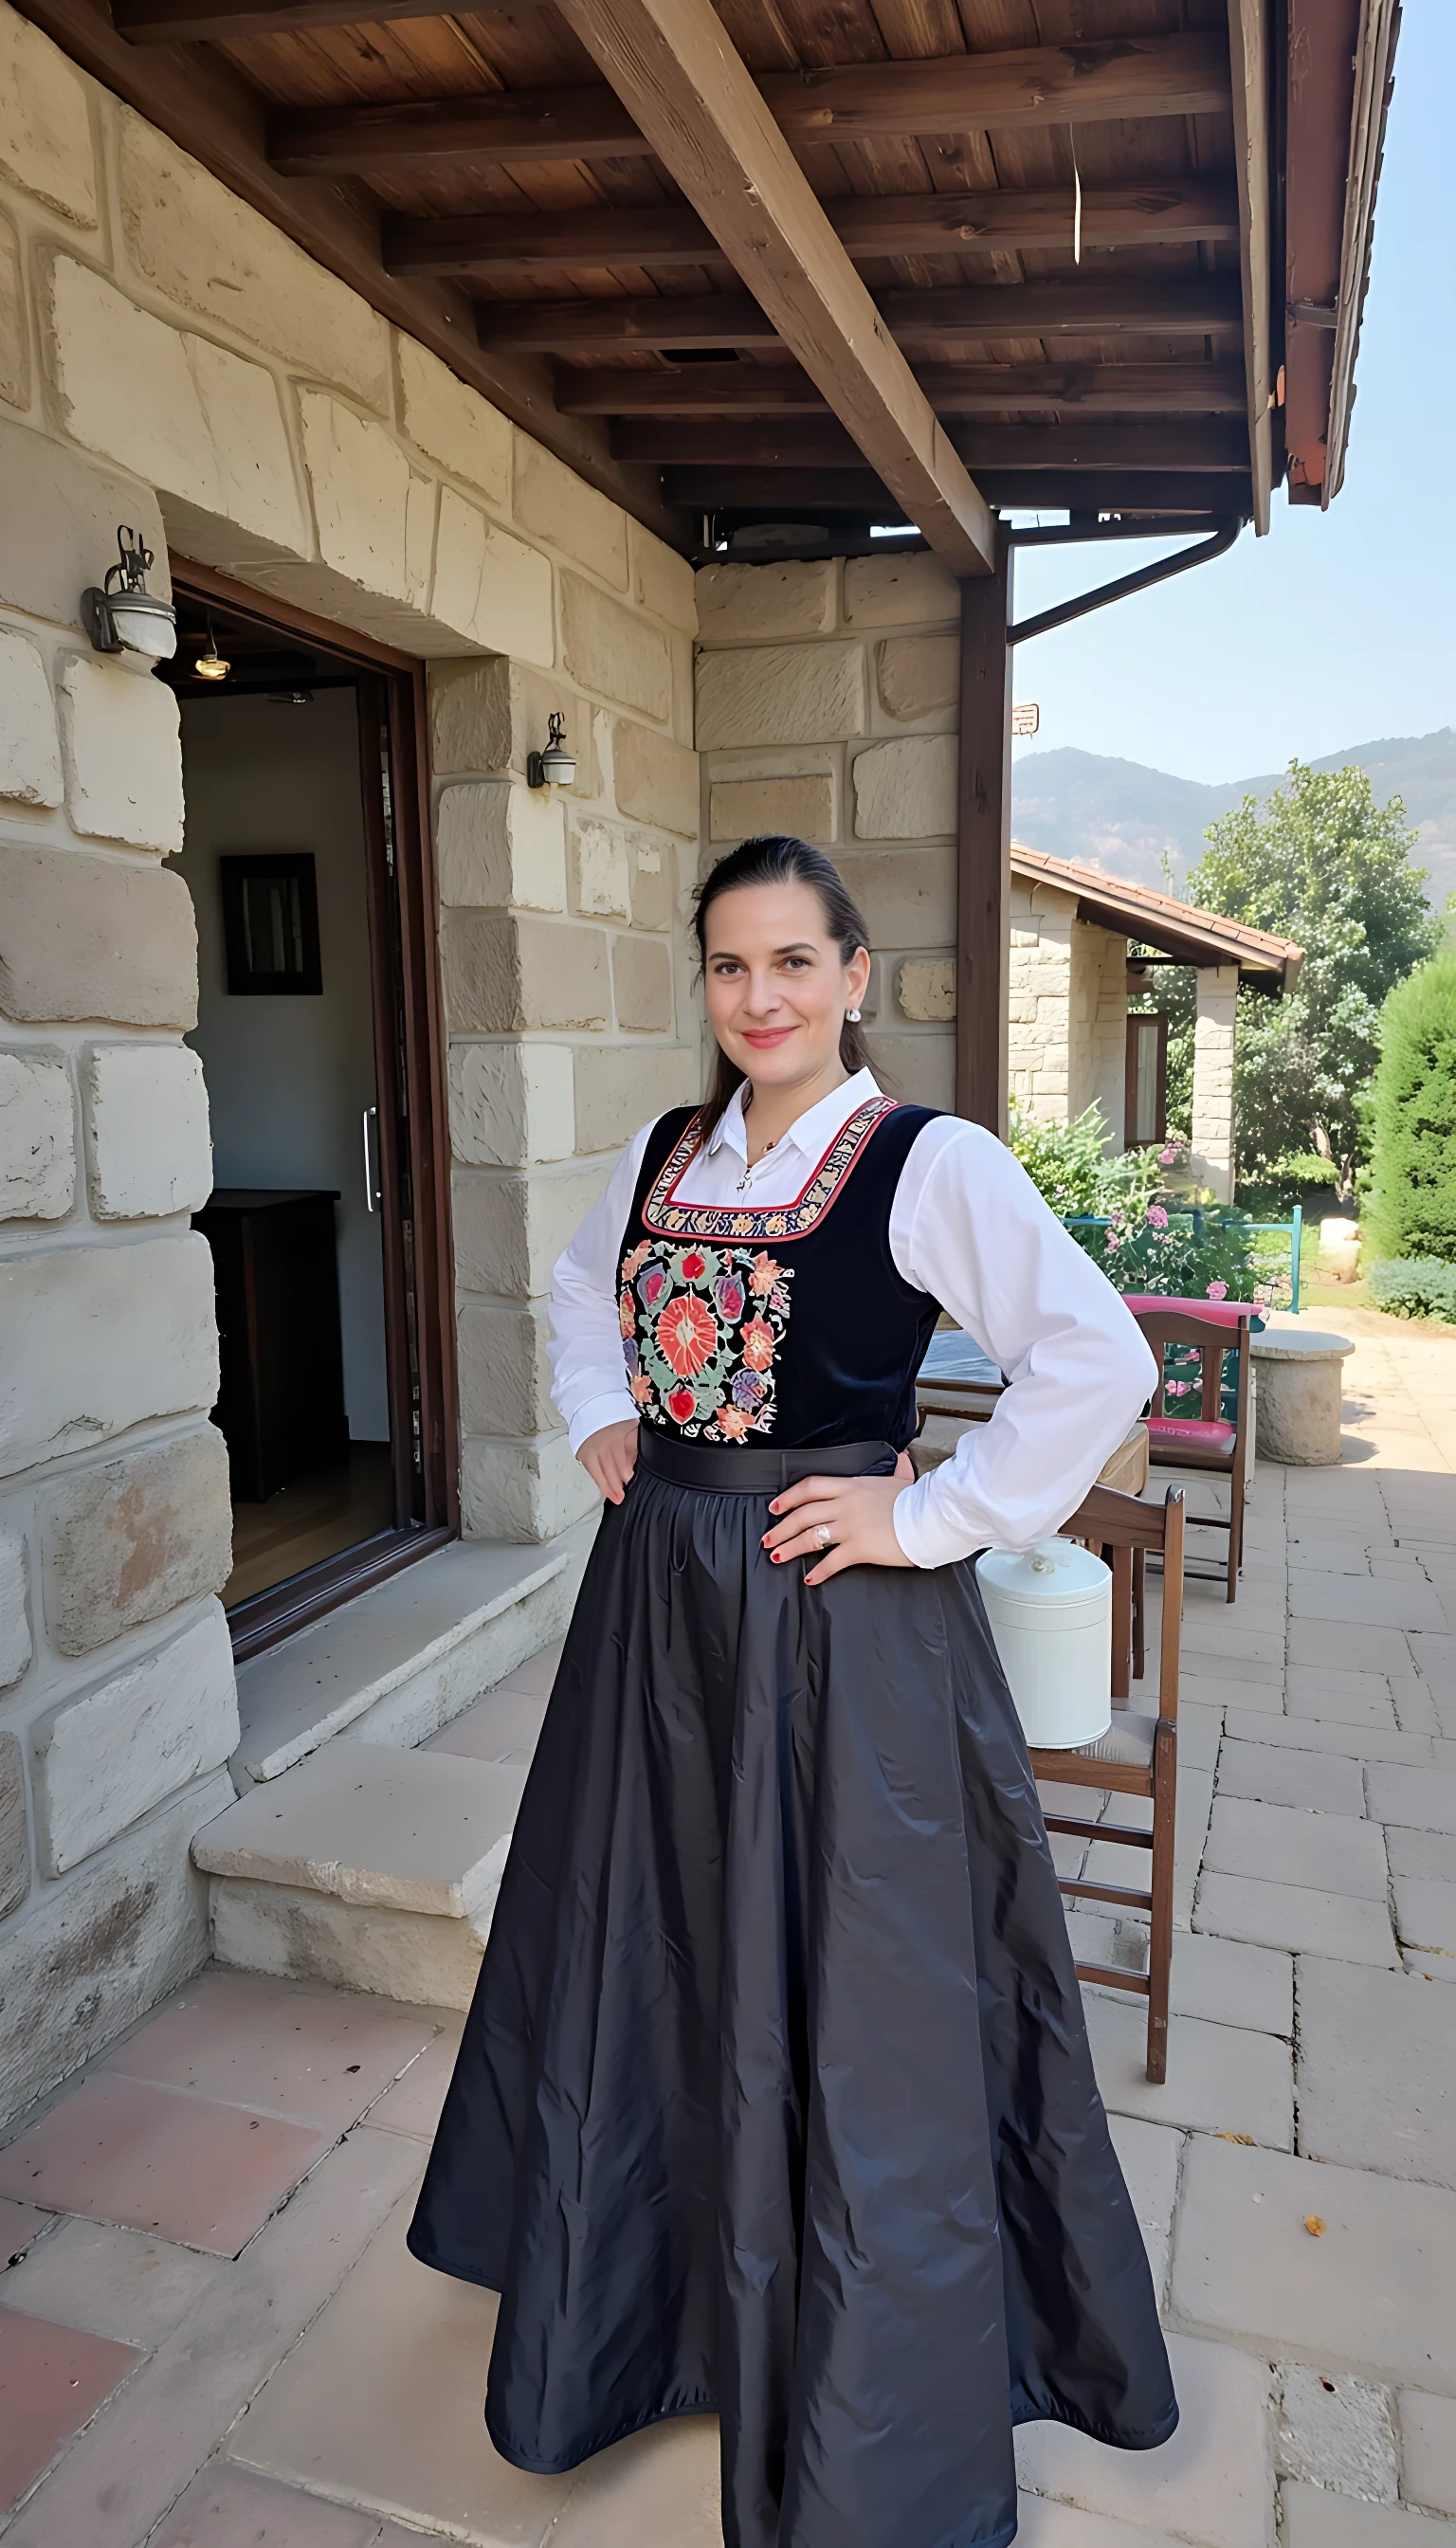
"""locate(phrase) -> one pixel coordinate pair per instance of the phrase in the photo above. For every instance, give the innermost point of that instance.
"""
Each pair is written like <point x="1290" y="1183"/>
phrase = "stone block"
<point x="505" y="973"/>
<point x="30" y="753"/>
<point x="907" y="897"/>
<point x="14" y="1625"/>
<point x="500" y="845"/>
<point x="505" y="1374"/>
<point x="1426" y="1915"/>
<point x="925" y="989"/>
<point x="1230" y="1982"/>
<point x="1338" y="2432"/>
<point x="1212" y="2482"/>
<point x="44" y="124"/>
<point x="128" y="1542"/>
<point x="125" y="388"/>
<point x="200" y="245"/>
<point x="508" y="1231"/>
<point x="560" y="508"/>
<point x="491" y="586"/>
<point x="15" y="335"/>
<point x="119" y="736"/>
<point x="1428" y="2450"/>
<point x="920" y="1068"/>
<point x="917" y="676"/>
<point x="1298" y="1917"/>
<point x="38" y="1158"/>
<point x="899" y="593"/>
<point x="642" y="985"/>
<point x="61" y="524"/>
<point x="307" y="1937"/>
<point x="150" y="1149"/>
<point x="15" y="1846"/>
<point x="1424" y="1799"/>
<point x="87" y="1958"/>
<point x="601" y="869"/>
<point x="662" y="581"/>
<point x="653" y="884"/>
<point x="621" y="1087"/>
<point x="523" y="1492"/>
<point x="1334" y="1853"/>
<point x="743" y="605"/>
<point x="754" y="695"/>
<point x="655" y="778"/>
<point x="452" y="423"/>
<point x="1377" y="2080"/>
<point x="511" y="1104"/>
<point x="104" y="1759"/>
<point x="91" y="938"/>
<point x="1319" y="2517"/>
<point x="610" y="649"/>
<point x="362" y="484"/>
<point x="1317" y="1782"/>
<point x="256" y="489"/>
<point x="906" y="790"/>
<point x="738" y="808"/>
<point x="98" y="1338"/>
<point x="1221" y="2078"/>
<point x="469" y="716"/>
<point x="387" y="1830"/>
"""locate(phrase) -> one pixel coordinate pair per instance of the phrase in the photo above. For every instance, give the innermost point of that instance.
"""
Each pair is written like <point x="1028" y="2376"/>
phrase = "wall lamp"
<point x="556" y="767"/>
<point x="121" y="616"/>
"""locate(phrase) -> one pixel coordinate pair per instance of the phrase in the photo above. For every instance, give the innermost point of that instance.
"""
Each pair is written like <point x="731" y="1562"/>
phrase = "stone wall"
<point x="170" y="360"/>
<point x="1212" y="1143"/>
<point x="827" y="706"/>
<point x="1068" y="1011"/>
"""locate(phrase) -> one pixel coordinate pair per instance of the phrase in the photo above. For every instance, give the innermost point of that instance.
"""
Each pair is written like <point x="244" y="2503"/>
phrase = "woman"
<point x="775" y="2098"/>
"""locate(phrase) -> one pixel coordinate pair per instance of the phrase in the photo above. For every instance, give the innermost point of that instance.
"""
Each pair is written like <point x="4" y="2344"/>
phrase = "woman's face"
<point x="777" y="985"/>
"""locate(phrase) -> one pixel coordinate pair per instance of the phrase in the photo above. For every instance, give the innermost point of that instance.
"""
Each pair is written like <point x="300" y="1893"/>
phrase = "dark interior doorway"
<point x="307" y="857"/>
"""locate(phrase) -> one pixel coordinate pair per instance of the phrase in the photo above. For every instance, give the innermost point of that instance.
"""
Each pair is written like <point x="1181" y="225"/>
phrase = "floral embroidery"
<point x="698" y="1222"/>
<point x="702" y="1328"/>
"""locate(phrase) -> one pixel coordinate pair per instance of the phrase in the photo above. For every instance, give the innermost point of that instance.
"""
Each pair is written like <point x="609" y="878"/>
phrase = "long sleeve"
<point x="588" y="1387"/>
<point x="970" y="1228"/>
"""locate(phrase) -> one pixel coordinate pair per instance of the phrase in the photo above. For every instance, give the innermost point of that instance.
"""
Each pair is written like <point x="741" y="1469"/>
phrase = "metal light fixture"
<point x="121" y="616"/>
<point x="556" y="767"/>
<point x="210" y="665"/>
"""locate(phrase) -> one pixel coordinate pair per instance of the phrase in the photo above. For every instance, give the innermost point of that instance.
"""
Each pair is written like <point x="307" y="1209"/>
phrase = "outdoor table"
<point x="1300" y="1387"/>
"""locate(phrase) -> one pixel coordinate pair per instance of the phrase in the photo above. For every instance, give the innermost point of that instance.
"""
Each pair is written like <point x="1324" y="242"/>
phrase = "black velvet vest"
<point x="775" y="1322"/>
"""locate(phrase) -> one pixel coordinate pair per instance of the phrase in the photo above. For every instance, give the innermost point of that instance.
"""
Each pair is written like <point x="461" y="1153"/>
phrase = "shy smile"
<point x="765" y="1037"/>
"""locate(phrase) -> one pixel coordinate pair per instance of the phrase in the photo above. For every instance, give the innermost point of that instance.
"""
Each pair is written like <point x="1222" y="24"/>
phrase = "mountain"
<point x="1142" y="823"/>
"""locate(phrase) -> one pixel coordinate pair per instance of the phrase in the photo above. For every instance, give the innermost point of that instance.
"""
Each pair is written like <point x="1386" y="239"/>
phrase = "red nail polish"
<point x="778" y="1555"/>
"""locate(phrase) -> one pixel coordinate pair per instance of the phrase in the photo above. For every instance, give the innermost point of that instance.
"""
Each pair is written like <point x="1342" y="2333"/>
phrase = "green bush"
<point x="1413" y="1213"/>
<point x="1415" y="1287"/>
<point x="1070" y="1168"/>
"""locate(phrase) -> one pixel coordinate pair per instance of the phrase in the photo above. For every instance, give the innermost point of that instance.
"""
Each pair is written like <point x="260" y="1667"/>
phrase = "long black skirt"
<point x="775" y="2097"/>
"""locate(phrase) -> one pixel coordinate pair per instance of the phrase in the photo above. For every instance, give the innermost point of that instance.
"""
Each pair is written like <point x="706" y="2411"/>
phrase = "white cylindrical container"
<point x="1050" y="1614"/>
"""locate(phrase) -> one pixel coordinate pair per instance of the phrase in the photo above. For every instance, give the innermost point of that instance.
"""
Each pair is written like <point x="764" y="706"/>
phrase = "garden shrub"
<point x="1415" y="1287"/>
<point x="1413" y="1213"/>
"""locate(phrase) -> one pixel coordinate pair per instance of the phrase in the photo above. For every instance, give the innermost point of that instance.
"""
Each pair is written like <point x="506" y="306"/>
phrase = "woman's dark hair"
<point x="776" y="857"/>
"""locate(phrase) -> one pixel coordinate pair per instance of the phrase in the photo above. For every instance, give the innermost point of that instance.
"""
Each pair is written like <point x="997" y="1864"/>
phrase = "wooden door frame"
<point x="405" y="968"/>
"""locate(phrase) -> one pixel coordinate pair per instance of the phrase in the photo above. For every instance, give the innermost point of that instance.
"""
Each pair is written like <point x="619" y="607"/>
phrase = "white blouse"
<point x="966" y="1226"/>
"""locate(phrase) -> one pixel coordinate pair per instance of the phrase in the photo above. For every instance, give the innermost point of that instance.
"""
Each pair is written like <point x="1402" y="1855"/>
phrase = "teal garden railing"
<point x="1198" y="1217"/>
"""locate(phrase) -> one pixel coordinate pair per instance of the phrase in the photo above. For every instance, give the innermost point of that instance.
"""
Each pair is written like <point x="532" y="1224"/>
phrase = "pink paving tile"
<point x="228" y="2507"/>
<point x="501" y="1726"/>
<point x="413" y="2103"/>
<point x="266" y="2045"/>
<point x="533" y="1677"/>
<point x="51" y="2379"/>
<point x="204" y="2174"/>
<point x="20" y="2224"/>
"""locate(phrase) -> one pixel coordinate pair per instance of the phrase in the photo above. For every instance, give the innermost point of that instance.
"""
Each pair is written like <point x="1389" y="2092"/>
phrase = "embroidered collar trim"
<point x="661" y="1211"/>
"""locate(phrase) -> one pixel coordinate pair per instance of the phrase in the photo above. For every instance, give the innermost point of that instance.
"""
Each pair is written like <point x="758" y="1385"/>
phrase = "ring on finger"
<point x="823" y="1537"/>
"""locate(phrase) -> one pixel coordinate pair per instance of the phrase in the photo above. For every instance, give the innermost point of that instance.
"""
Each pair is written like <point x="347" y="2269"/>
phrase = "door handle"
<point x="371" y="1195"/>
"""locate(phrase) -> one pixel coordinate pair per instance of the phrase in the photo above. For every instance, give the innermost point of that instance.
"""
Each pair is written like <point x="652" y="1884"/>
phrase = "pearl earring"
<point x="851" y="1016"/>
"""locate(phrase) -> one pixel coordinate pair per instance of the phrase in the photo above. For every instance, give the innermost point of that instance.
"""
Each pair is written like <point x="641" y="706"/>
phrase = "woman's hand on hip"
<point x="858" y="1514"/>
<point x="610" y="1457"/>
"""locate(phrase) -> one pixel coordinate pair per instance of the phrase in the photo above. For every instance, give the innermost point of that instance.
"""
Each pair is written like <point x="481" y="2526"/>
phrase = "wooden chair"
<point x="1136" y="1757"/>
<point x="1206" y="1440"/>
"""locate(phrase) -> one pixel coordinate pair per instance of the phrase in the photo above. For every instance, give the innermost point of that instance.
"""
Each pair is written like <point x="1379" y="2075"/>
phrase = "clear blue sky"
<point x="1341" y="627"/>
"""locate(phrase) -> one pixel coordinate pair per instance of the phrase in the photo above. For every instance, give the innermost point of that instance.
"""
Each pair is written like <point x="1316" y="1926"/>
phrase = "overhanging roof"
<point x="820" y="257"/>
<point x="1176" y="929"/>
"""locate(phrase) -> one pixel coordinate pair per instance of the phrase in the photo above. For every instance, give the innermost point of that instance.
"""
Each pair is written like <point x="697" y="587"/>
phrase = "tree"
<point x="1414" y="1109"/>
<point x="1324" y="865"/>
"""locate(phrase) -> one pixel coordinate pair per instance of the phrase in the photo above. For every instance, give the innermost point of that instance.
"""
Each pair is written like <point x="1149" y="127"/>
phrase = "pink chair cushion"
<point x="1203" y="1435"/>
<point x="1220" y="1313"/>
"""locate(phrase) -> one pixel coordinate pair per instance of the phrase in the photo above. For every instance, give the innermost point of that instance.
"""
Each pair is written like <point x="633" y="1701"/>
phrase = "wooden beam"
<point x="1038" y="85"/>
<point x="674" y="65"/>
<point x="952" y="389"/>
<point x="1251" y="83"/>
<point x="796" y="442"/>
<point x="1157" y="215"/>
<point x="983" y="850"/>
<point x="708" y="321"/>
<point x="808" y="493"/>
<point x="217" y="21"/>
<point x="207" y="107"/>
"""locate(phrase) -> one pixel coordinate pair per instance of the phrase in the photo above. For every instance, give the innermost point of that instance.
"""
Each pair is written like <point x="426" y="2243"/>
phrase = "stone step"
<point x="396" y="1665"/>
<point x="366" y="1868"/>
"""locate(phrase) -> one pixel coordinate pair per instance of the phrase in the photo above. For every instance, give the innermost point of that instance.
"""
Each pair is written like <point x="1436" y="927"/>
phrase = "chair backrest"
<point x="1107" y="1520"/>
<point x="1212" y="1339"/>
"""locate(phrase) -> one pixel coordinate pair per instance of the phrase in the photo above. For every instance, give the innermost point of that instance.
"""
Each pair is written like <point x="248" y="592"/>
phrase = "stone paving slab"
<point x="1349" y="1648"/>
<point x="1426" y="1799"/>
<point x="1233" y="1984"/>
<point x="1371" y="2293"/>
<point x="1426" y="1914"/>
<point x="1150" y="2157"/>
<point x="1295" y="1916"/>
<point x="1428" y="2449"/>
<point x="1377" y="2077"/>
<point x="1315" y="2516"/>
<point x="229" y="2507"/>
<point x="1339" y="2432"/>
<point x="1268" y="1773"/>
<point x="1332" y="1853"/>
<point x="1308" y="1734"/>
<point x="1221" y="2078"/>
<point x="1374" y="1601"/>
<point x="111" y="2282"/>
<point x="1213" y="2482"/>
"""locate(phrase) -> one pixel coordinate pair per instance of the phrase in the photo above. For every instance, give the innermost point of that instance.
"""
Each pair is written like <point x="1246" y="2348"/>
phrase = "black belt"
<point x="731" y="1469"/>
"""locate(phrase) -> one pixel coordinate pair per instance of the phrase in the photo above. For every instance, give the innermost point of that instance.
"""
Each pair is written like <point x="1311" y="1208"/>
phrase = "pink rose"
<point x="1217" y="1292"/>
<point x="1157" y="1217"/>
